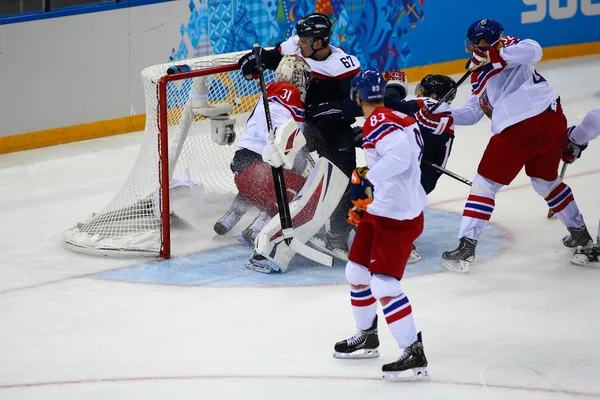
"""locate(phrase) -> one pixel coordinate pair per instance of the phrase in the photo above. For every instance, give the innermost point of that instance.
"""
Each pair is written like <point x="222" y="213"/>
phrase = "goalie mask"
<point x="294" y="70"/>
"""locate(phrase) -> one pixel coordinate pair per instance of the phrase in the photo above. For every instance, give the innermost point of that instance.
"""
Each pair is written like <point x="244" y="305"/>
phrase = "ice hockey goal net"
<point x="178" y="156"/>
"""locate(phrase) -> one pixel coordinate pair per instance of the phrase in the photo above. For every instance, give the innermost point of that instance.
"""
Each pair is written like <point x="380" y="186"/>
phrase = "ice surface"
<point x="522" y="325"/>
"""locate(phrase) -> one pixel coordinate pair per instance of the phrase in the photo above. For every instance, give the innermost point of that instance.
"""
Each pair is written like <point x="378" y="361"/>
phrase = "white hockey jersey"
<point x="588" y="129"/>
<point x="508" y="90"/>
<point x="284" y="103"/>
<point x="393" y="148"/>
<point x="338" y="65"/>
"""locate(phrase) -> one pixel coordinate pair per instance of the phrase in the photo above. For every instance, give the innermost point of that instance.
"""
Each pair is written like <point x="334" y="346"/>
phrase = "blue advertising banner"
<point x="384" y="34"/>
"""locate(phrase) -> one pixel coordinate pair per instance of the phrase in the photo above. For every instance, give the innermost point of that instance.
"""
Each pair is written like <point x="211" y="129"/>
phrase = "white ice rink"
<point x="522" y="325"/>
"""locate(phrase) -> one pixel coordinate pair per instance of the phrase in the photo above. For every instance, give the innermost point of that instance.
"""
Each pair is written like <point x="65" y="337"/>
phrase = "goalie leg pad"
<point x="310" y="210"/>
<point x="255" y="183"/>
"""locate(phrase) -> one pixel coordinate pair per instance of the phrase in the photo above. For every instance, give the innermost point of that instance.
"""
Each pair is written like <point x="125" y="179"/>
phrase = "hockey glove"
<point x="573" y="150"/>
<point x="361" y="190"/>
<point x="248" y="65"/>
<point x="354" y="215"/>
<point x="325" y="113"/>
<point x="486" y="54"/>
<point x="358" y="136"/>
<point x="436" y="123"/>
<point x="396" y="79"/>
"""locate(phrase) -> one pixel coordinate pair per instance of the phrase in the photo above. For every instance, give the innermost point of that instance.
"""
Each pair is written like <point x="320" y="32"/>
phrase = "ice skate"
<point x="226" y="222"/>
<point x="459" y="259"/>
<point x="248" y="235"/>
<point x="412" y="359"/>
<point x="333" y="244"/>
<point x="364" y="344"/>
<point x="237" y="210"/>
<point x="414" y="256"/>
<point x="577" y="237"/>
<point x="587" y="256"/>
<point x="262" y="264"/>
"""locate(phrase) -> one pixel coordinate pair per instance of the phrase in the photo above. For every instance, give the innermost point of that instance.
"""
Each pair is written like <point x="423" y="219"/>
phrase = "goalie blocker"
<point x="309" y="210"/>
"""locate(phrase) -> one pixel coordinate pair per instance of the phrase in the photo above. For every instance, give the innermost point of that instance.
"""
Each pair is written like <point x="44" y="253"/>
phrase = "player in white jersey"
<point x="529" y="130"/>
<point x="579" y="137"/>
<point x="252" y="162"/>
<point x="329" y="111"/>
<point x="390" y="195"/>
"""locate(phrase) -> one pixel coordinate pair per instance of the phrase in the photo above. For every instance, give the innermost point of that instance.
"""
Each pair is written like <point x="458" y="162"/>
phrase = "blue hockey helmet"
<point x="369" y="85"/>
<point x="488" y="29"/>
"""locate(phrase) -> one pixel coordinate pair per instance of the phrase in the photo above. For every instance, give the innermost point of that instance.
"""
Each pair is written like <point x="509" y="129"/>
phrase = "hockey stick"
<point x="563" y="171"/>
<point x="451" y="91"/>
<point x="278" y="179"/>
<point x="447" y="172"/>
<point x="283" y="204"/>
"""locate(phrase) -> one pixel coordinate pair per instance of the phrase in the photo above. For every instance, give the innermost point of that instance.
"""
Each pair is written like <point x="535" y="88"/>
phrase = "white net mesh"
<point x="199" y="168"/>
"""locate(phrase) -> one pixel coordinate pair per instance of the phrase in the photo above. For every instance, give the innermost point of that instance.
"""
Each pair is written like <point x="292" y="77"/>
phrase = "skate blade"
<point x="414" y="257"/>
<point x="321" y="246"/>
<point x="259" y="268"/>
<point x="462" y="267"/>
<point x="418" y="375"/>
<point x="583" y="261"/>
<point x="357" y="355"/>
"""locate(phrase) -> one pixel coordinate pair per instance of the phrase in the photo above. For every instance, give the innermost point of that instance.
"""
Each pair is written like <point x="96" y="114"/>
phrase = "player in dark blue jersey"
<point x="437" y="139"/>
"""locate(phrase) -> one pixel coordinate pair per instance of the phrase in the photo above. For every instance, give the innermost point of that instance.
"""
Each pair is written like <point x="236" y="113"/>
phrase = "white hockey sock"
<point x="479" y="207"/>
<point x="562" y="203"/>
<point x="364" y="307"/>
<point x="399" y="317"/>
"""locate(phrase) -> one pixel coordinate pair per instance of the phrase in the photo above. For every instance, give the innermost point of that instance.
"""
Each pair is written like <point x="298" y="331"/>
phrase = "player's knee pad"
<point x="385" y="286"/>
<point x="357" y="274"/>
<point x="544" y="188"/>
<point x="485" y="187"/>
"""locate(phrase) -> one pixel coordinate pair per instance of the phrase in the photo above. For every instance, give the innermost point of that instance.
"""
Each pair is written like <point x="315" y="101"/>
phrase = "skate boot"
<point x="413" y="359"/>
<point x="414" y="256"/>
<point x="237" y="210"/>
<point x="260" y="263"/>
<point x="335" y="245"/>
<point x="364" y="344"/>
<point x="459" y="259"/>
<point x="248" y="235"/>
<point x="587" y="256"/>
<point x="226" y="222"/>
<point x="577" y="237"/>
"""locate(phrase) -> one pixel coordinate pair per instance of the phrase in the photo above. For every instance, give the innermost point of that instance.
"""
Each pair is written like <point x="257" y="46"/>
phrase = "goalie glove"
<point x="271" y="155"/>
<point x="354" y="215"/>
<point x="573" y="150"/>
<point x="361" y="189"/>
<point x="286" y="143"/>
<point x="396" y="79"/>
